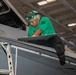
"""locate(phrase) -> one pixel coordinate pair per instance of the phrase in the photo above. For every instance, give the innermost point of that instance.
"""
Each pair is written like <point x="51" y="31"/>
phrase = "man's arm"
<point x="37" y="32"/>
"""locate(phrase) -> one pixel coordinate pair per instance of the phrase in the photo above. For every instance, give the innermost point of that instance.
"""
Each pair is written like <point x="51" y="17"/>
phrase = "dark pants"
<point x="56" y="43"/>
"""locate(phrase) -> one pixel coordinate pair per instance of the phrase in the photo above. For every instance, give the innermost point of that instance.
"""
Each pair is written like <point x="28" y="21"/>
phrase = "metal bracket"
<point x="6" y="47"/>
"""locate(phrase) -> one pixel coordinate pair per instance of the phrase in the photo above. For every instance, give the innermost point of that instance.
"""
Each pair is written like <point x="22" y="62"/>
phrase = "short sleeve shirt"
<point x="45" y="25"/>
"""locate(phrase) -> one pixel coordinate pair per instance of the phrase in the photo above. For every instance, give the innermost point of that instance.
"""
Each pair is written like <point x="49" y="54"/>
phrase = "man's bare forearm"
<point x="37" y="32"/>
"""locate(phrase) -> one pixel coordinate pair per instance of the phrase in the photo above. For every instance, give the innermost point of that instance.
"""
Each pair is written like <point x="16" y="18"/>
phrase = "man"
<point x="39" y="26"/>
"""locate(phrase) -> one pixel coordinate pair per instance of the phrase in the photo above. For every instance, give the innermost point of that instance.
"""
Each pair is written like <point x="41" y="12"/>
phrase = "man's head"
<point x="33" y="18"/>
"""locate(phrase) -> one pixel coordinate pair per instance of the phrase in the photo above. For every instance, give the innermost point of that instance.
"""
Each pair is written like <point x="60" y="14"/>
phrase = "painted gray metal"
<point x="33" y="64"/>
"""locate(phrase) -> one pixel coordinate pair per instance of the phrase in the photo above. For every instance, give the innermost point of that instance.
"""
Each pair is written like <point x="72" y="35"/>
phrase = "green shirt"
<point x="45" y="25"/>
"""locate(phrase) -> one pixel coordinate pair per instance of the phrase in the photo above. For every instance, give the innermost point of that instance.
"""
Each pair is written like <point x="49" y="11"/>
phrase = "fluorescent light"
<point x="45" y="2"/>
<point x="72" y="24"/>
<point x="42" y="3"/>
<point x="50" y="0"/>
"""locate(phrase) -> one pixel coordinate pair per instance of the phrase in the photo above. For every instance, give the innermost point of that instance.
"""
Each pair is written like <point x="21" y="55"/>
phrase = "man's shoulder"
<point x="44" y="17"/>
<point x="44" y="20"/>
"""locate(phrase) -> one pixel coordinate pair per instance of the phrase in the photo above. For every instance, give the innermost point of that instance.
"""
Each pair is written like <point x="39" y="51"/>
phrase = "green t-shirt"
<point x="45" y="25"/>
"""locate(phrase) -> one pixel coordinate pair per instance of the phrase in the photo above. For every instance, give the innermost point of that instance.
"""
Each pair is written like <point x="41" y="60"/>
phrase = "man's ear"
<point x="38" y="17"/>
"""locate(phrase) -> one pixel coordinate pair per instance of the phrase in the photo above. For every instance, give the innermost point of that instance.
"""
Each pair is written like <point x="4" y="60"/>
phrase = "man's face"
<point x="33" y="22"/>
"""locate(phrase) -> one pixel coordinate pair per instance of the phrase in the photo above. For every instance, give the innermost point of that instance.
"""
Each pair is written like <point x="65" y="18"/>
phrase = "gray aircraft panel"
<point x="37" y="37"/>
<point x="33" y="64"/>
